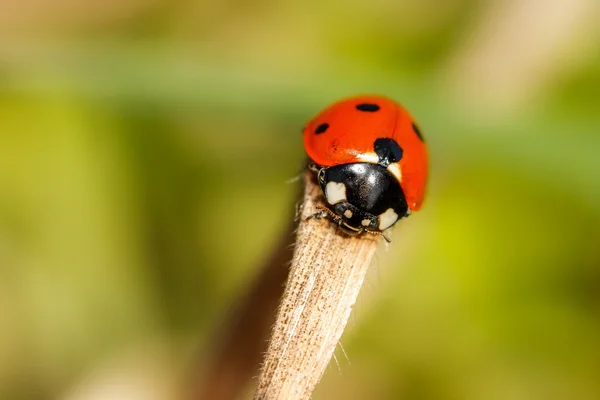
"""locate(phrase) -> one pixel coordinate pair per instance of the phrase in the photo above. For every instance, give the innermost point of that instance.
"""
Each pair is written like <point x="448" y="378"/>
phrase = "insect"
<point x="370" y="160"/>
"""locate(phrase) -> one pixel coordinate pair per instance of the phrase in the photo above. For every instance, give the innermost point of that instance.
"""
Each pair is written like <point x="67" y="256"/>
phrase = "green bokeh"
<point x="145" y="154"/>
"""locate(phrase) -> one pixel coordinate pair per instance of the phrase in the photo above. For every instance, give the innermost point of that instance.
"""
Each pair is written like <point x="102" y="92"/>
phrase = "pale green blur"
<point x="146" y="150"/>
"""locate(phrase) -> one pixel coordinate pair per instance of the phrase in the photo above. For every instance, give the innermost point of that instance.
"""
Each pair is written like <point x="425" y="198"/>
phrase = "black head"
<point x="365" y="196"/>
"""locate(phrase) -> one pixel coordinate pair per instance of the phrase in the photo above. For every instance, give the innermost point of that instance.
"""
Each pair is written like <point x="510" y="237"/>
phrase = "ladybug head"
<point x="365" y="196"/>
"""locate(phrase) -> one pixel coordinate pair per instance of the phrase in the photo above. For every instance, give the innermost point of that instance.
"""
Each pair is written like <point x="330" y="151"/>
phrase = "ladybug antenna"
<point x="387" y="239"/>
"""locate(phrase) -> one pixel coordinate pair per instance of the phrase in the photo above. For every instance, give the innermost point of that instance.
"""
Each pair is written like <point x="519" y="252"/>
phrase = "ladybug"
<point x="370" y="160"/>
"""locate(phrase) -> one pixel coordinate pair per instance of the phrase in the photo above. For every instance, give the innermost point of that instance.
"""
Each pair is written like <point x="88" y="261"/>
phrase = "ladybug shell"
<point x="346" y="132"/>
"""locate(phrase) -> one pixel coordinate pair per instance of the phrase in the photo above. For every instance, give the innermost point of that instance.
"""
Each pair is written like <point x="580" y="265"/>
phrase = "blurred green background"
<point x="145" y="154"/>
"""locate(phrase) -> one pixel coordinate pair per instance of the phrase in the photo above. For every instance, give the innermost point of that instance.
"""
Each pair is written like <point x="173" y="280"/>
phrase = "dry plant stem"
<point x="327" y="271"/>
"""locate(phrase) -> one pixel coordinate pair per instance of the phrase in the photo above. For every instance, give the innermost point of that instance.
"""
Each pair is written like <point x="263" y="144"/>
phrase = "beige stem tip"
<point x="327" y="271"/>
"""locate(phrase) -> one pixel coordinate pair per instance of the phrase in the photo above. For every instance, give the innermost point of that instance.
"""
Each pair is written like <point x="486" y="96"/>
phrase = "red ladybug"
<point x="371" y="162"/>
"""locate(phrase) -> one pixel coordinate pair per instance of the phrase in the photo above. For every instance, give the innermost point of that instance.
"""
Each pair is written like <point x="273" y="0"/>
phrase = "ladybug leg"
<point x="319" y="171"/>
<point x="323" y="211"/>
<point x="313" y="167"/>
<point x="335" y="218"/>
<point x="318" y="215"/>
<point x="321" y="176"/>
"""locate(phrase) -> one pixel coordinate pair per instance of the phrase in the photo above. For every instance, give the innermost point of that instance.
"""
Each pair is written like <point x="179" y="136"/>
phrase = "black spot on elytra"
<point x="367" y="107"/>
<point x="321" y="128"/>
<point x="388" y="150"/>
<point x="418" y="132"/>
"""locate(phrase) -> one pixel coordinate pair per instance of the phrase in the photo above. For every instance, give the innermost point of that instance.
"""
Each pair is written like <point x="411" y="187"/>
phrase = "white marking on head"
<point x="365" y="222"/>
<point x="394" y="168"/>
<point x="335" y="192"/>
<point x="368" y="157"/>
<point x="348" y="214"/>
<point x="373" y="158"/>
<point x="387" y="219"/>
